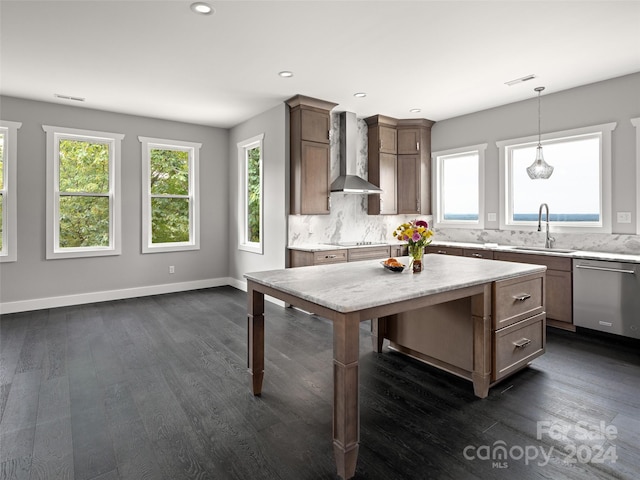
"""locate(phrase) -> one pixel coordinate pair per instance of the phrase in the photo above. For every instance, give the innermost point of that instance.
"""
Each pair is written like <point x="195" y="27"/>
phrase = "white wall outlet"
<point x="492" y="217"/>
<point x="172" y="269"/>
<point x="624" y="217"/>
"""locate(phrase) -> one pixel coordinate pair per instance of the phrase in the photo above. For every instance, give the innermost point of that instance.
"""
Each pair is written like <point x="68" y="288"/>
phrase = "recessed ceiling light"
<point x="415" y="110"/>
<point x="68" y="97"/>
<point x="360" y="95"/>
<point x="285" y="74"/>
<point x="202" y="8"/>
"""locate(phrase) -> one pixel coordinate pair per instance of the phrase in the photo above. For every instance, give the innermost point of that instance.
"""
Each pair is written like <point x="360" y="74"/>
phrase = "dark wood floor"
<point x="157" y="388"/>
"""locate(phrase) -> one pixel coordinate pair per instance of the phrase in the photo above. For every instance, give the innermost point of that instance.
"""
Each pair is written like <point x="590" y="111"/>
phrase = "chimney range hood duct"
<point x="348" y="181"/>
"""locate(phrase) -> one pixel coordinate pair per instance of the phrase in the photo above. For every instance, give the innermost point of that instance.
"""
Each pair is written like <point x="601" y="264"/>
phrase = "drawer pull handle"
<point x="477" y="255"/>
<point x="330" y="256"/>
<point x="442" y="252"/>
<point x="522" y="298"/>
<point x="523" y="342"/>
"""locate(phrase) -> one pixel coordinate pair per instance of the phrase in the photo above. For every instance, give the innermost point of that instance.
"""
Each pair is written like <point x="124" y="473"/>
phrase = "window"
<point x="459" y="187"/>
<point x="83" y="193"/>
<point x="170" y="198"/>
<point x="250" y="159"/>
<point x="579" y="190"/>
<point x="8" y="209"/>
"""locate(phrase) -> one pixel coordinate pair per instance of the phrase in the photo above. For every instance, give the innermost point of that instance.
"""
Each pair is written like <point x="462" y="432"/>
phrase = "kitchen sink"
<point x="543" y="249"/>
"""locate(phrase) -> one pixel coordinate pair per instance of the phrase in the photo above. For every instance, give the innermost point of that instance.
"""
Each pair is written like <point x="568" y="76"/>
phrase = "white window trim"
<point x="53" y="250"/>
<point x="605" y="176"/>
<point x="439" y="221"/>
<point x="193" y="149"/>
<point x="636" y="123"/>
<point x="243" y="243"/>
<point x="9" y="252"/>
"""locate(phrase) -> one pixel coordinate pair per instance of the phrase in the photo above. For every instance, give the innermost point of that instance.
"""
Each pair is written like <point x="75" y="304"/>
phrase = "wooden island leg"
<point x="255" y="330"/>
<point x="481" y="316"/>
<point x="378" y="332"/>
<point x="346" y="415"/>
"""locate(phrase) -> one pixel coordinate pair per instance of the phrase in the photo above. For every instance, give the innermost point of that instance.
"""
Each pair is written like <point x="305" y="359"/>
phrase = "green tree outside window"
<point x="253" y="194"/>
<point x="170" y="204"/>
<point x="84" y="209"/>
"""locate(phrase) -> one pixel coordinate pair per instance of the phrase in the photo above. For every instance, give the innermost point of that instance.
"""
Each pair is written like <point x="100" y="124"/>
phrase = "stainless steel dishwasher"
<point x="606" y="296"/>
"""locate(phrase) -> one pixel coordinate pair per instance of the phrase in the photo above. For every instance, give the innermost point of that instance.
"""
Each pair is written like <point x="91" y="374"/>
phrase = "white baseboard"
<point x="83" y="298"/>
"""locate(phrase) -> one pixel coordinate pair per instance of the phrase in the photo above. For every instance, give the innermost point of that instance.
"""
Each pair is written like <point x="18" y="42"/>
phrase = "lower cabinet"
<point x="301" y="258"/>
<point x="443" y="250"/>
<point x="442" y="335"/>
<point x="399" y="251"/>
<point x="559" y="291"/>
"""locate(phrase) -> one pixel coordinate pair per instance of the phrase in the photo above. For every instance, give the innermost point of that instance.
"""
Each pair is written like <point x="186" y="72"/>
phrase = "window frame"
<point x="437" y="166"/>
<point x="243" y="207"/>
<point x="506" y="185"/>
<point x="53" y="136"/>
<point x="193" y="149"/>
<point x="9" y="251"/>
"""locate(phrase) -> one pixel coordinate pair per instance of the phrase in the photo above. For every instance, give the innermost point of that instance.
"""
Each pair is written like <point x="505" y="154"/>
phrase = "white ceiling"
<point x="448" y="58"/>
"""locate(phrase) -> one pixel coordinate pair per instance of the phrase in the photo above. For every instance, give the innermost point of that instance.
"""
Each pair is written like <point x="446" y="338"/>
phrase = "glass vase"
<point x="416" y="255"/>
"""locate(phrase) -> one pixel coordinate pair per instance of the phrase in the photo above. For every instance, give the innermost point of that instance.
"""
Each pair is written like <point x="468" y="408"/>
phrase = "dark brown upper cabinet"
<point x="310" y="160"/>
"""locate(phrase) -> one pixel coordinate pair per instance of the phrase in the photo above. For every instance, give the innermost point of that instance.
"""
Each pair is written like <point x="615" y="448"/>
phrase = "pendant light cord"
<point x="539" y="90"/>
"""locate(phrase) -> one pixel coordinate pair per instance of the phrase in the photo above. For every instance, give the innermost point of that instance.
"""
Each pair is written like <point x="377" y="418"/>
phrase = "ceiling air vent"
<point x="520" y="80"/>
<point x="68" y="97"/>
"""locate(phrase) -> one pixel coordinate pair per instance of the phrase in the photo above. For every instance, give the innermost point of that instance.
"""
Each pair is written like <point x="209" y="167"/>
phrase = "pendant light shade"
<point x="539" y="168"/>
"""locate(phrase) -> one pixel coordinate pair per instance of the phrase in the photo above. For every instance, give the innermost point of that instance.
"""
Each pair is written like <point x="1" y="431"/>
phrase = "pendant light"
<point x="539" y="168"/>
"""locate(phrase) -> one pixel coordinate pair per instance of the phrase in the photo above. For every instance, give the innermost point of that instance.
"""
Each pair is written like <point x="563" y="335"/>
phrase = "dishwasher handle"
<point x="605" y="269"/>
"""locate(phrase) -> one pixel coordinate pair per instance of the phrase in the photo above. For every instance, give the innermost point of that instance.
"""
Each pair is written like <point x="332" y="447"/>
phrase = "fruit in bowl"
<point x="393" y="265"/>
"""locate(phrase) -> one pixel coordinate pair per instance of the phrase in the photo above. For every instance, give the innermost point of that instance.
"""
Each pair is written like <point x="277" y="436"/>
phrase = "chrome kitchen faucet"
<point x="548" y="243"/>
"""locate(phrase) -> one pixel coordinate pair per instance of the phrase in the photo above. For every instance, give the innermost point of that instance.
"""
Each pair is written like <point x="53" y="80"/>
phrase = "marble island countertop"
<point x="365" y="284"/>
<point x="531" y="250"/>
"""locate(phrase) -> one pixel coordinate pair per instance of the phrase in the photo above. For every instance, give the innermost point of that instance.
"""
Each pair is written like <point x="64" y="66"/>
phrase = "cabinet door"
<point x="408" y="141"/>
<point x="315" y="178"/>
<point x="388" y="139"/>
<point x="315" y="126"/>
<point x="399" y="251"/>
<point x="408" y="184"/>
<point x="388" y="174"/>
<point x="559" y="303"/>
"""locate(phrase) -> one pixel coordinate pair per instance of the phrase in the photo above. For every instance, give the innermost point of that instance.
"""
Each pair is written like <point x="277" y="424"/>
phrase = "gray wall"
<point x="616" y="100"/>
<point x="33" y="277"/>
<point x="274" y="124"/>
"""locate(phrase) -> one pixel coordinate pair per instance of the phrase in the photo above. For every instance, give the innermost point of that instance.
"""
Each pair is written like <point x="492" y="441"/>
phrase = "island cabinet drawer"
<point x="368" y="253"/>
<point x="518" y="344"/>
<point x="516" y="299"/>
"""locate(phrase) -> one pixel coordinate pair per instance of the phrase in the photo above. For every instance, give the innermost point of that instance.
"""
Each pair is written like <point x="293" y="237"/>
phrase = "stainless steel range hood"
<point x="348" y="181"/>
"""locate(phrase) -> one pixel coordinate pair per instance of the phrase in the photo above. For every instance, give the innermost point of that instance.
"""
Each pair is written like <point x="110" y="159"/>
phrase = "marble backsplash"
<point x="593" y="242"/>
<point x="349" y="221"/>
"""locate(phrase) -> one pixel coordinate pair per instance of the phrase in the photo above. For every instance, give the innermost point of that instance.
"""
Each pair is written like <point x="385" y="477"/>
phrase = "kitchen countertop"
<point x="577" y="254"/>
<point x="366" y="284"/>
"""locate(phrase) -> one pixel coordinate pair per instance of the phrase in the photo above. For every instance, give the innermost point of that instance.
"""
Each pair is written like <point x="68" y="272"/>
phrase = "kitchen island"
<point x="496" y="299"/>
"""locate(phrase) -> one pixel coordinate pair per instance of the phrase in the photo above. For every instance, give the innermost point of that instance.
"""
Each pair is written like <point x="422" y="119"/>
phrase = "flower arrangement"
<point x="415" y="233"/>
<point x="418" y="235"/>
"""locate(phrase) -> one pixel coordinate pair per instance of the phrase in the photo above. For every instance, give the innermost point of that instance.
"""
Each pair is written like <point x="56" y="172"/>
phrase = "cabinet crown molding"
<point x="302" y="100"/>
